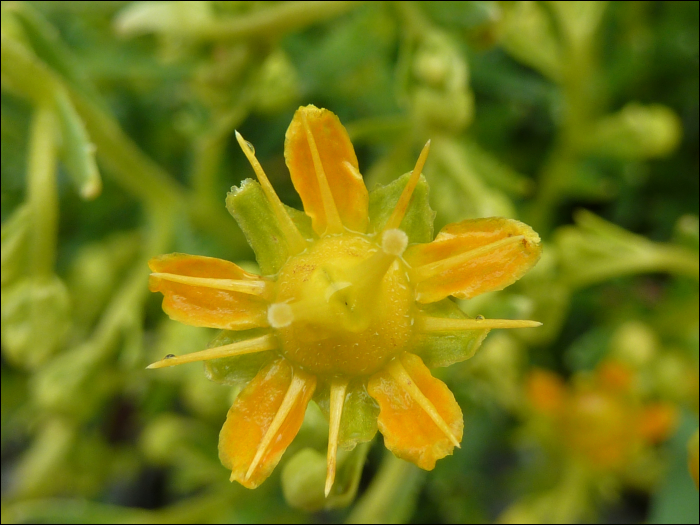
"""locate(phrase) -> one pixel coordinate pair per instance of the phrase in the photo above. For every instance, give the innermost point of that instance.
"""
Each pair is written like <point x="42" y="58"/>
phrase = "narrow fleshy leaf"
<point x="418" y="220"/>
<point x="77" y="152"/>
<point x="409" y="432"/>
<point x="255" y="216"/>
<point x="438" y="349"/>
<point x="202" y="306"/>
<point x="359" y="421"/>
<point x="251" y="416"/>
<point x="348" y="193"/>
<point x="474" y="256"/>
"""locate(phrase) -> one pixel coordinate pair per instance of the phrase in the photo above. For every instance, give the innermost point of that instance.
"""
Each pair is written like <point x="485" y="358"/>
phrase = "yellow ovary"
<point x="352" y="306"/>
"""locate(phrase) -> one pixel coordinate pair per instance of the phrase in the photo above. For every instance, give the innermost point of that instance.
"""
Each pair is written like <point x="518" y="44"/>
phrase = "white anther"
<point x="394" y="242"/>
<point x="280" y="315"/>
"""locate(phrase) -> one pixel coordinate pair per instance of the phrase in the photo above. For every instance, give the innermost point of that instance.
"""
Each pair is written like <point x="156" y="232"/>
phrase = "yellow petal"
<point x="409" y="430"/>
<point x="471" y="257"/>
<point x="325" y="173"/>
<point x="208" y="305"/>
<point x="263" y="421"/>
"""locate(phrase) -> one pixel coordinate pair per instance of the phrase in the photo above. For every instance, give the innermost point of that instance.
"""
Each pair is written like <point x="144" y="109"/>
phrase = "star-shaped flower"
<point x="351" y="310"/>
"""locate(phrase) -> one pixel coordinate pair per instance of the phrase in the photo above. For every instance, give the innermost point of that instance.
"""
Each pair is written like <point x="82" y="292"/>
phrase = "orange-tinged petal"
<point x="409" y="432"/>
<point x="347" y="198"/>
<point x="471" y="257"/>
<point x="253" y="413"/>
<point x="205" y="306"/>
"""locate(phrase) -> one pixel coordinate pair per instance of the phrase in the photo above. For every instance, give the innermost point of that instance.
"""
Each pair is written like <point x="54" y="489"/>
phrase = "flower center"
<point x="346" y="305"/>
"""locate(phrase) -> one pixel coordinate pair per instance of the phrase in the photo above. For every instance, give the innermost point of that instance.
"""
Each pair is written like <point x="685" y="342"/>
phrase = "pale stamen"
<point x="338" y="390"/>
<point x="432" y="269"/>
<point x="296" y="388"/>
<point x="399" y="373"/>
<point x="280" y="315"/>
<point x="297" y="243"/>
<point x="333" y="222"/>
<point x="394" y="242"/>
<point x="249" y="346"/>
<point x="230" y="285"/>
<point x="402" y="205"/>
<point x="443" y="324"/>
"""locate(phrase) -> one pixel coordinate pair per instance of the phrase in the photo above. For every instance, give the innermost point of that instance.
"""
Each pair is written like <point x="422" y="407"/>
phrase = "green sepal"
<point x="255" y="216"/>
<point x="236" y="371"/>
<point x="358" y="422"/>
<point x="304" y="477"/>
<point x="439" y="349"/>
<point x="419" y="218"/>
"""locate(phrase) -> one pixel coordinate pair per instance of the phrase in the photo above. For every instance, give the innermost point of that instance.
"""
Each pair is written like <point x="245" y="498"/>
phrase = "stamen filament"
<point x="435" y="268"/>
<point x="443" y="324"/>
<point x="231" y="285"/>
<point x="402" y="205"/>
<point x="296" y="241"/>
<point x="398" y="372"/>
<point x="338" y="390"/>
<point x="296" y="387"/>
<point x="333" y="222"/>
<point x="249" y="346"/>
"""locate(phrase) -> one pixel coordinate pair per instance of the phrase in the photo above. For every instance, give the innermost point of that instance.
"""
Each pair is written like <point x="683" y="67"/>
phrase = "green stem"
<point x="391" y="495"/>
<point x="42" y="193"/>
<point x="678" y="260"/>
<point x="273" y="21"/>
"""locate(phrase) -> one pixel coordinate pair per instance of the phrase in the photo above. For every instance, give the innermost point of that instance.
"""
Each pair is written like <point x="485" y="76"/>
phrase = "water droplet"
<point x="169" y="356"/>
<point x="250" y="147"/>
<point x="480" y="317"/>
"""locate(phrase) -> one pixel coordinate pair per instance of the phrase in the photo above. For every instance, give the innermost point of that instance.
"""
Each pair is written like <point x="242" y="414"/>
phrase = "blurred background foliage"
<point x="579" y="118"/>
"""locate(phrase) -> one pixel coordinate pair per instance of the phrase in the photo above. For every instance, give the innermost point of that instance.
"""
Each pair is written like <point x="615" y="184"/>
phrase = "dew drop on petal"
<point x="250" y="147"/>
<point x="480" y="317"/>
<point x="169" y="356"/>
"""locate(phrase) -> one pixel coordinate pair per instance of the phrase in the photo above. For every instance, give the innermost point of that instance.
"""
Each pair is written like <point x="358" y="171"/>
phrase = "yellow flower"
<point x="352" y="306"/>
<point x="599" y="418"/>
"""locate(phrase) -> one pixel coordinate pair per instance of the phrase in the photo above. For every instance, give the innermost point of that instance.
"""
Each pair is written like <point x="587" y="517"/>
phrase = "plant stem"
<point x="391" y="495"/>
<point x="43" y="198"/>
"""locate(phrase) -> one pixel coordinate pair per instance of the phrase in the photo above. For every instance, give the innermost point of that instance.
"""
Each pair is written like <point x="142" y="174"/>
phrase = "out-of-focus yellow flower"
<point x="598" y="418"/>
<point x="352" y="308"/>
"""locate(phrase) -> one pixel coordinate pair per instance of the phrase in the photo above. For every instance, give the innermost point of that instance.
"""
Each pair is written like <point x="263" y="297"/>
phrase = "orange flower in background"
<point x="599" y="418"/>
<point x="352" y="308"/>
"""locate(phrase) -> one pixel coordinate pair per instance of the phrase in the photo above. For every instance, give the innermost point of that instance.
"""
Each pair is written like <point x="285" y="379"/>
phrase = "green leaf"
<point x="254" y="215"/>
<point x="418" y="221"/>
<point x="358" y="423"/>
<point x="77" y="152"/>
<point x="438" y="349"/>
<point x="236" y="371"/>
